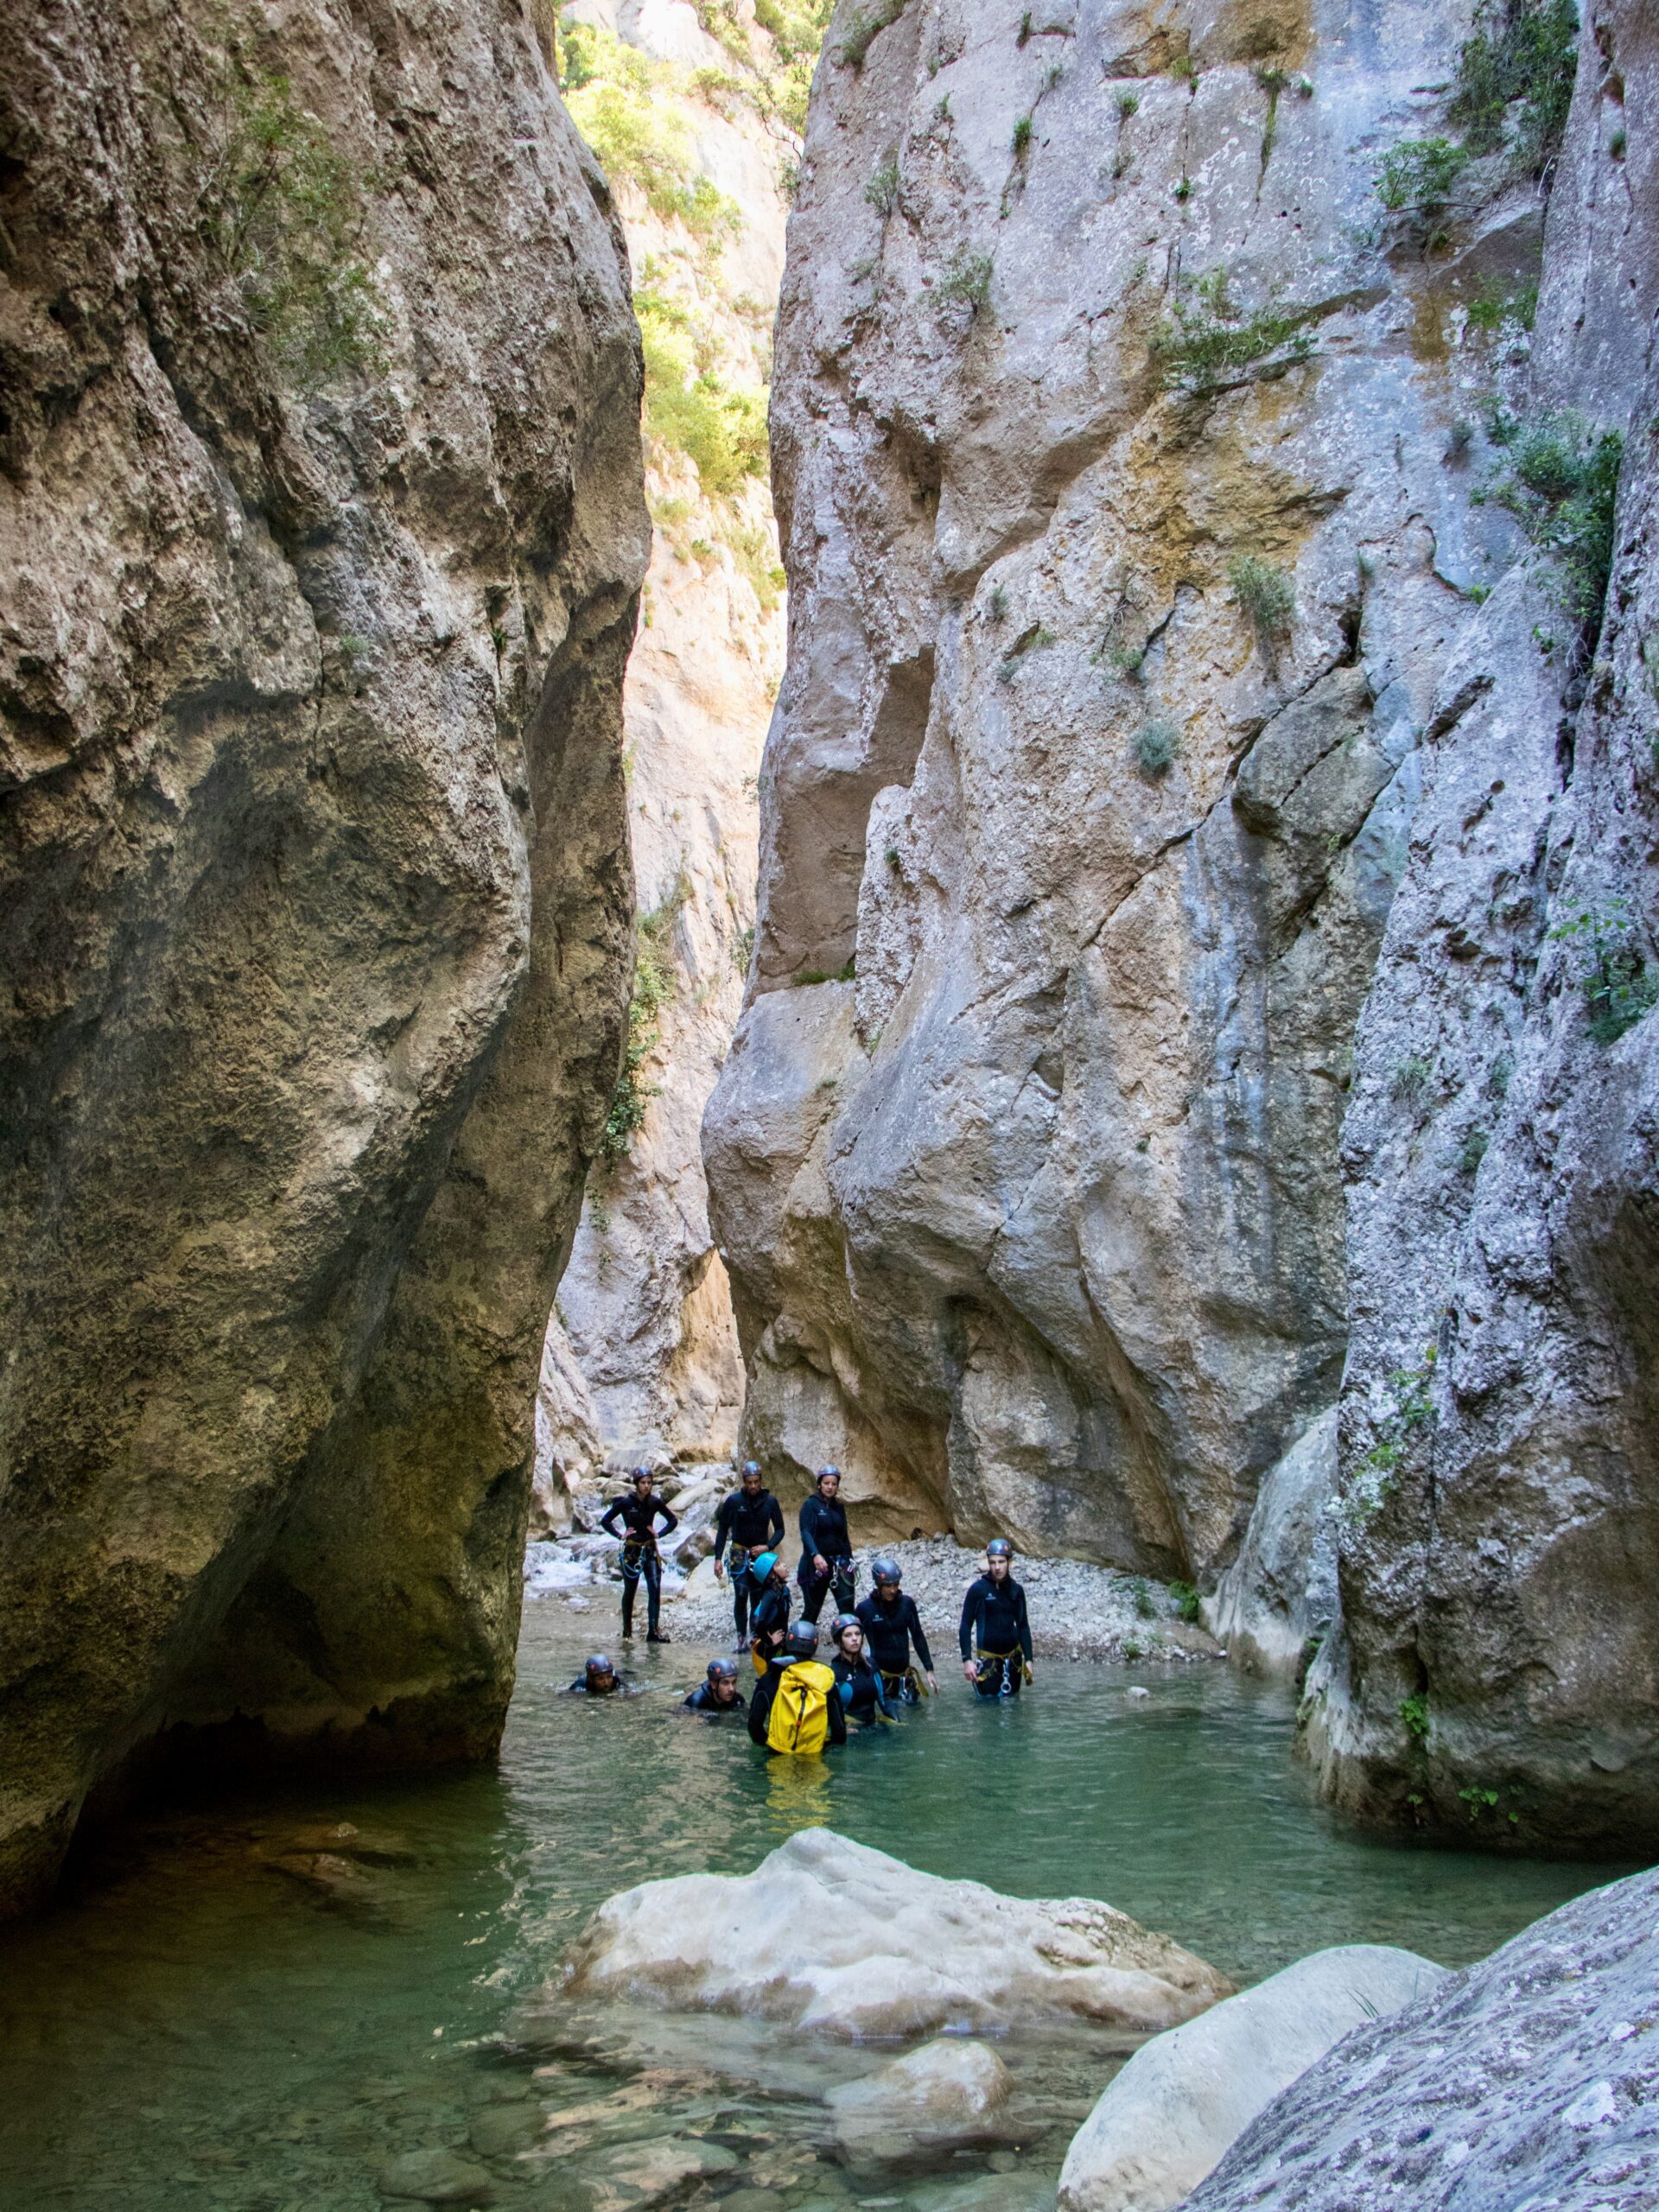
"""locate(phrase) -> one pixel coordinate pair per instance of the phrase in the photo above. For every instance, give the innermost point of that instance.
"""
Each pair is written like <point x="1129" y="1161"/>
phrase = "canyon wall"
<point x="323" y="535"/>
<point x="1496" y="1671"/>
<point x="642" y="1355"/>
<point x="1187" y="529"/>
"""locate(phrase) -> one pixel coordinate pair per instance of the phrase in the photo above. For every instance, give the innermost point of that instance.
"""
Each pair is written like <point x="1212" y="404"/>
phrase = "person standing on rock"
<point x="890" y="1625"/>
<point x="797" y="1708"/>
<point x="993" y="1620"/>
<point x="769" y="1621"/>
<point x="826" y="1549"/>
<point x="718" y="1693"/>
<point x="637" y="1514"/>
<point x="751" y="1521"/>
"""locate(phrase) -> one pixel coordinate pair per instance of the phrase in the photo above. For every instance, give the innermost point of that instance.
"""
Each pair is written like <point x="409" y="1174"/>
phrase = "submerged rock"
<point x="1531" y="2079"/>
<point x="1183" y="2098"/>
<point x="827" y="1934"/>
<point x="435" y="2177"/>
<point x="950" y="2093"/>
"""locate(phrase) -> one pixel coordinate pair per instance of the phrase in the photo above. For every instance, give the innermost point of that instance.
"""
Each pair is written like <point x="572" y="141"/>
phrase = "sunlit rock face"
<point x="1078" y="839"/>
<point x="644" y="1306"/>
<point x="1499" y="1670"/>
<point x="316" y="877"/>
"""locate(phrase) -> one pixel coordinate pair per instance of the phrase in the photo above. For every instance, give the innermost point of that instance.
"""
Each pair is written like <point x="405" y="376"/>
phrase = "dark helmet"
<point x="886" y="1570"/>
<point x="722" y="1670"/>
<point x="999" y="1547"/>
<point x="802" y="1641"/>
<point x="749" y="1467"/>
<point x="642" y="1475"/>
<point x="841" y="1622"/>
<point x="823" y="1471"/>
<point x="599" y="1664"/>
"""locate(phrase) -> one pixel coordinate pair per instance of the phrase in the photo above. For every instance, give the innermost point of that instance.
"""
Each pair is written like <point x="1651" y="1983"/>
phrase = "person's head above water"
<point x="886" y="1575"/>
<point x="599" y="1672"/>
<point x="847" y="1634"/>
<point x="722" y="1680"/>
<point x="832" y="1476"/>
<point x="998" y="1558"/>
<point x="802" y="1641"/>
<point x="750" y="1476"/>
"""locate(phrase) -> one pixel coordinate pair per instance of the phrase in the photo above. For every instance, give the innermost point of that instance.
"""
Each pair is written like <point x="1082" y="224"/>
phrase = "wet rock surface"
<point x="323" y="531"/>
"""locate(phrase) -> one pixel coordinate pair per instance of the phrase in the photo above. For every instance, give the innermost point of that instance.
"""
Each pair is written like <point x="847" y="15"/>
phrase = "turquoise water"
<point x="236" y="2008"/>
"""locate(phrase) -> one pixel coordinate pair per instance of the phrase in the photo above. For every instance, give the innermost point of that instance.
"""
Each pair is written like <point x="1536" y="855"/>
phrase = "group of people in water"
<point x="877" y="1656"/>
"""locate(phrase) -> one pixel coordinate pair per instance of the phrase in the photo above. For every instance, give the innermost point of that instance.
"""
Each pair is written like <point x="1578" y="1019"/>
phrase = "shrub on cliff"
<point x="1211" y="342"/>
<point x="1560" y="483"/>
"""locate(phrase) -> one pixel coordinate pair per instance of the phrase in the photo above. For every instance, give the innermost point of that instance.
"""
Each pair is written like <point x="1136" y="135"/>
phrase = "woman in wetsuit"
<point x="862" y="1693"/>
<point x="994" y="1620"/>
<point x="637" y="1514"/>
<point x="826" y="1549"/>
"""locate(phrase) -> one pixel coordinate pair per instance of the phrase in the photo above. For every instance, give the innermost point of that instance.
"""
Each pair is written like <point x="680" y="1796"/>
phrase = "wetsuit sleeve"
<point x="760" y="1707"/>
<point x="809" y="1523"/>
<point x="723" y="1525"/>
<point x="774" y="1522"/>
<point x="608" y="1518"/>
<point x="969" y="1611"/>
<point x="837" y="1716"/>
<point x="917" y="1637"/>
<point x="1024" y="1627"/>
<point x="670" y="1519"/>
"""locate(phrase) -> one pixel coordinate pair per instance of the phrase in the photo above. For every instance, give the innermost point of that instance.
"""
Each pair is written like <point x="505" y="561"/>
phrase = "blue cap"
<point x="762" y="1563"/>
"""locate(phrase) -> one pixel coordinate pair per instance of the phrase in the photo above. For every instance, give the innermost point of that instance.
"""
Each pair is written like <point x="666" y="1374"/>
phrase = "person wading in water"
<point x="638" y="1514"/>
<point x="795" y="1708"/>
<point x="994" y="1616"/>
<point x="890" y="1625"/>
<point x="862" y="1691"/>
<point x="826" y="1549"/>
<point x="769" y="1622"/>
<point x="598" y="1678"/>
<point x="751" y="1521"/>
<point x="719" y="1692"/>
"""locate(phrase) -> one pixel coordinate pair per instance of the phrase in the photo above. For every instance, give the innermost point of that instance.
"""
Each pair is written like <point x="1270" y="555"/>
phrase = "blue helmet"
<point x="844" y="1621"/>
<point x="762" y="1563"/>
<point x="600" y="1663"/>
<point x="802" y="1641"/>
<point x="825" y="1471"/>
<point x="749" y="1467"/>
<point x="642" y="1474"/>
<point x="999" y="1547"/>
<point x="722" y="1670"/>
<point x="886" y="1569"/>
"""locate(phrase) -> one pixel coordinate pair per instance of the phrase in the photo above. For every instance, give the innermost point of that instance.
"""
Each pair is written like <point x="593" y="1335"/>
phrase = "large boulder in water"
<point x="1183" y="2099"/>
<point x="950" y="2093"/>
<point x="1531" y="2079"/>
<point x="829" y="1935"/>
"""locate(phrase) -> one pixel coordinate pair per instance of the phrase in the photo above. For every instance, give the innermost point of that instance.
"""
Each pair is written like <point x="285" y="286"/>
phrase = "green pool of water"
<point x="212" y="2018"/>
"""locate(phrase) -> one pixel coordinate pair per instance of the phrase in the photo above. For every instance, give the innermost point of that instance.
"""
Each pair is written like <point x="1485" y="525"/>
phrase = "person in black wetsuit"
<point x="598" y="1678"/>
<point x="800" y="1649"/>
<point x="890" y="1625"/>
<point x="719" y="1692"/>
<point x="638" y="1514"/>
<point x="862" y="1691"/>
<point x="769" y="1621"/>
<point x="826" y="1549"/>
<point x="993" y="1618"/>
<point x="751" y="1520"/>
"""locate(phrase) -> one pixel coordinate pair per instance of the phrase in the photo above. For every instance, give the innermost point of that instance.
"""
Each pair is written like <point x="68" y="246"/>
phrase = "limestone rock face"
<point x="1280" y="1591"/>
<point x="1532" y="2078"/>
<point x="1078" y="837"/>
<point x="1499" y="1667"/>
<point x="323" y="533"/>
<point x="827" y="1934"/>
<point x="1179" y="2104"/>
<point x="644" y="1305"/>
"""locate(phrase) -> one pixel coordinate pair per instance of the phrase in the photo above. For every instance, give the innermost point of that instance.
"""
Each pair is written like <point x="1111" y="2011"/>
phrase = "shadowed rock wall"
<point x="315" y="876"/>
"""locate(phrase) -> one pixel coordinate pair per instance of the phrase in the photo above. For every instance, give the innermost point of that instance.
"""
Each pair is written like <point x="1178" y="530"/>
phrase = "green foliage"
<point x="1267" y="596"/>
<point x="966" y="282"/>
<point x="1211" y="342"/>
<point x="1410" y="1407"/>
<point x="866" y="25"/>
<point x="284" y="212"/>
<point x="1523" y="52"/>
<point x="997" y="606"/>
<point x="1560" y="483"/>
<point x="1156" y="744"/>
<point x="1144" y="1607"/>
<point x="1473" y="1149"/>
<point x="1480" y="1802"/>
<point x="636" y="133"/>
<point x="1493" y="305"/>
<point x="1186" y="1602"/>
<point x="1022" y="144"/>
<point x="654" y="980"/>
<point x="1184" y="190"/>
<point x="1414" y="1712"/>
<point x="752" y="547"/>
<point x="1617" y="144"/>
<point x="1184" y="70"/>
<point x="743" y="943"/>
<point x="1408" y="1085"/>
<point x="1417" y="180"/>
<point x="882" y="190"/>
<point x="1617" y="986"/>
<point x="1128" y="104"/>
<point x="691" y="411"/>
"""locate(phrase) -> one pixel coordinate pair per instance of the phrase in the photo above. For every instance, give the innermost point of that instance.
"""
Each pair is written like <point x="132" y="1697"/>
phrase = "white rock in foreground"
<point x="827" y="1934"/>
<point x="951" y="2093"/>
<point x="1184" y="2098"/>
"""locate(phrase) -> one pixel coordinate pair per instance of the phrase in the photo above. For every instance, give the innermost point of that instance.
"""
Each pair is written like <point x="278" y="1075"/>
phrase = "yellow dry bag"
<point x="799" y="1720"/>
